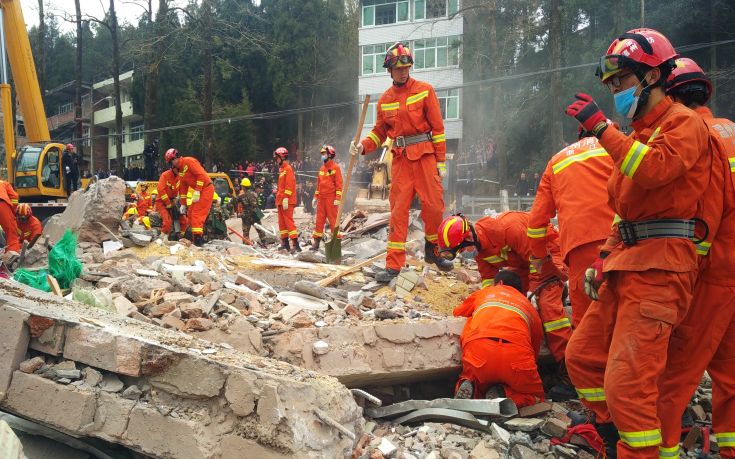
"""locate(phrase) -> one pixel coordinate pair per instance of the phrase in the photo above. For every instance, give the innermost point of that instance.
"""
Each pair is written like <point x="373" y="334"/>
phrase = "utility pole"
<point x="643" y="13"/>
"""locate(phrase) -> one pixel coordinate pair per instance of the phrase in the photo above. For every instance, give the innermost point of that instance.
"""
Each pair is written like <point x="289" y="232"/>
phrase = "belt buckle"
<point x="401" y="141"/>
<point x="627" y="233"/>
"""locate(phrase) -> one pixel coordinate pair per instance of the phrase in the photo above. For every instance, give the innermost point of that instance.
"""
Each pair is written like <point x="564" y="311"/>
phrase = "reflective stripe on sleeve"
<point x="633" y="158"/>
<point x="536" y="233"/>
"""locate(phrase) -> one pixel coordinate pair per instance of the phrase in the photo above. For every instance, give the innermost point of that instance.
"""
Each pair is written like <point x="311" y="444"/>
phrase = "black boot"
<point x="285" y="245"/>
<point x="387" y="275"/>
<point x="315" y="245"/>
<point x="198" y="240"/>
<point x="296" y="247"/>
<point x="610" y="436"/>
<point x="431" y="256"/>
<point x="564" y="389"/>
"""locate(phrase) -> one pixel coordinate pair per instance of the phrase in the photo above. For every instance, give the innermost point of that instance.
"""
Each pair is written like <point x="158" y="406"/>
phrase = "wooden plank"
<point x="335" y="277"/>
<point x="54" y="284"/>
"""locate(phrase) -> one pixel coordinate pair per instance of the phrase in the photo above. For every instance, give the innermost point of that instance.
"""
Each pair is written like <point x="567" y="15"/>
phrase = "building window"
<point x="66" y="108"/>
<point x="436" y="52"/>
<point x="372" y="58"/>
<point x="432" y="9"/>
<point x="85" y="136"/>
<point x="379" y="12"/>
<point x="449" y="103"/>
<point x="136" y="133"/>
<point x="113" y="137"/>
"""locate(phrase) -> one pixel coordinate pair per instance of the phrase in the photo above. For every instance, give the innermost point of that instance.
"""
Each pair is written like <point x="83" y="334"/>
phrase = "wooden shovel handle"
<point x="346" y="187"/>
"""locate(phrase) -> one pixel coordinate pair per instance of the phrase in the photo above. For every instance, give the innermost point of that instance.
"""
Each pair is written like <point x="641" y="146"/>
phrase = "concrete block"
<point x="10" y="446"/>
<point x="523" y="452"/>
<point x="178" y="297"/>
<point x="395" y="333"/>
<point x="500" y="434"/>
<point x="554" y="428"/>
<point x="45" y="401"/>
<point x="162" y="436"/>
<point x="270" y="408"/>
<point x="524" y="424"/>
<point x="191" y="377"/>
<point x="111" y="416"/>
<point x="535" y="410"/>
<point x="481" y="451"/>
<point x="241" y="392"/>
<point x="50" y="340"/>
<point x="103" y="349"/>
<point x="234" y="447"/>
<point x="14" y="338"/>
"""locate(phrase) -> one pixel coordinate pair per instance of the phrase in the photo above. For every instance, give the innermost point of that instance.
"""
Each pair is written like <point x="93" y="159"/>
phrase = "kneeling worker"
<point x="500" y="342"/>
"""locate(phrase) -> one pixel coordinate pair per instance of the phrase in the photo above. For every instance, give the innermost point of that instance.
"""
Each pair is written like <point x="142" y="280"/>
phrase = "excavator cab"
<point x="39" y="171"/>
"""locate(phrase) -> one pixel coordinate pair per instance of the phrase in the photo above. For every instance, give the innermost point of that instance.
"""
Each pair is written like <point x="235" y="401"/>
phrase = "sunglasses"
<point x="450" y="253"/>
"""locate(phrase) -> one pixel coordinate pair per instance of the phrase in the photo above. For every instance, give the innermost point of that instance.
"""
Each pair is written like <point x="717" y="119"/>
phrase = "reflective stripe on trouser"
<point x="326" y="211"/>
<point x="697" y="345"/>
<point x="486" y="362"/>
<point x="557" y="326"/>
<point x="286" y="225"/>
<point x="199" y="211"/>
<point x="10" y="226"/>
<point x="619" y="346"/>
<point x="410" y="178"/>
<point x="579" y="259"/>
<point x="671" y="452"/>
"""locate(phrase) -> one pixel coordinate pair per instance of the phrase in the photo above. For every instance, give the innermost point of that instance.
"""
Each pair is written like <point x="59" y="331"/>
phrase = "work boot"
<point x="564" y="389"/>
<point x="386" y="275"/>
<point x="610" y="436"/>
<point x="465" y="390"/>
<point x="432" y="256"/>
<point x="581" y="417"/>
<point x="496" y="391"/>
<point x="296" y="247"/>
<point x="173" y="236"/>
<point x="315" y="245"/>
<point x="284" y="245"/>
<point x="198" y="240"/>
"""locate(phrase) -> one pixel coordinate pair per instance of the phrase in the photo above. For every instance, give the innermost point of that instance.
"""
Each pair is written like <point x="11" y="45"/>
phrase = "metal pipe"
<point x="3" y="55"/>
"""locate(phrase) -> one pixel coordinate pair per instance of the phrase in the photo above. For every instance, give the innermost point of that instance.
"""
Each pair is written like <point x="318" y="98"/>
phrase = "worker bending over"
<point x="286" y="201"/>
<point x="500" y="342"/>
<point x="409" y="112"/>
<point x="501" y="242"/>
<point x="167" y="204"/>
<point x="8" y="222"/>
<point x="29" y="227"/>
<point x="648" y="266"/>
<point x="194" y="181"/>
<point x="328" y="194"/>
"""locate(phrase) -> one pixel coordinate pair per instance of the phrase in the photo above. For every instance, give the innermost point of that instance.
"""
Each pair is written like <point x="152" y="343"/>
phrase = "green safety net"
<point x="62" y="262"/>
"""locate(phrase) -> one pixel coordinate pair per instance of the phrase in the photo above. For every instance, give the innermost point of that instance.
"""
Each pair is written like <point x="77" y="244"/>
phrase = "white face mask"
<point x="324" y="158"/>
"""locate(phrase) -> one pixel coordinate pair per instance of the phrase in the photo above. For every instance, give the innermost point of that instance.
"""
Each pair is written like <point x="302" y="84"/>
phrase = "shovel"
<point x="333" y="248"/>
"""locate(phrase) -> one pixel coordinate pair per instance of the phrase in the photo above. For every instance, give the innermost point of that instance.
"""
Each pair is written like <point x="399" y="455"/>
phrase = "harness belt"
<point x="632" y="232"/>
<point x="404" y="141"/>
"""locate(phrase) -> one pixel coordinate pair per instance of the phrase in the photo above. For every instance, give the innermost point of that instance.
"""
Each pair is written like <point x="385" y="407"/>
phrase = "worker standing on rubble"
<point x="167" y="204"/>
<point x="501" y="242"/>
<point x="574" y="188"/>
<point x="409" y="112"/>
<point x="251" y="213"/>
<point x="706" y="337"/>
<point x="328" y="194"/>
<point x="500" y="342"/>
<point x="70" y="183"/>
<point x="649" y="263"/>
<point x="29" y="227"/>
<point x="286" y="201"/>
<point x="194" y="181"/>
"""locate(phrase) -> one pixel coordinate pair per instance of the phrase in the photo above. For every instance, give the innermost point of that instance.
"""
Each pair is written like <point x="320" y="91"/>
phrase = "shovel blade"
<point x="333" y="250"/>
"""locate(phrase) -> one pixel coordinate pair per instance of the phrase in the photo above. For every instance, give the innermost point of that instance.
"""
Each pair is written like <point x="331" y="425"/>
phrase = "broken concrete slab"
<point x="444" y="415"/>
<point x="483" y="407"/>
<point x="10" y="446"/>
<point x="14" y="338"/>
<point x="303" y="301"/>
<point x="523" y="424"/>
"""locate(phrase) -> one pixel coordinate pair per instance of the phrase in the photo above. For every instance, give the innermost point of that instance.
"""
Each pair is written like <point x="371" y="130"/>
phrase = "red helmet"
<point x="635" y="48"/>
<point x="281" y="153"/>
<point x="134" y="197"/>
<point x="453" y="231"/>
<point x="687" y="72"/>
<point x="171" y="153"/>
<point x="329" y="151"/>
<point x="70" y="147"/>
<point x="398" y="56"/>
<point x="23" y="210"/>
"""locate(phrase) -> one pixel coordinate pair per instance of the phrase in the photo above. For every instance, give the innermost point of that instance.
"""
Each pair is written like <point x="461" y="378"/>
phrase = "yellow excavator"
<point x="35" y="170"/>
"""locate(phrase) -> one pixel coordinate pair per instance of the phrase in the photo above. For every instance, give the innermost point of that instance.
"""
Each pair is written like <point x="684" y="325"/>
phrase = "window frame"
<point x="374" y="4"/>
<point x="419" y="54"/>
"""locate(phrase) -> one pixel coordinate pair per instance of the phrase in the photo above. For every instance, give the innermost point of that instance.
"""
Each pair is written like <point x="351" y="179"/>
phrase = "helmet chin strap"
<point x="474" y="236"/>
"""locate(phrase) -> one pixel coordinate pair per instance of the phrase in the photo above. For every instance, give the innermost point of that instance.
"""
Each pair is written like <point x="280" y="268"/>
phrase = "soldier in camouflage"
<point x="251" y="212"/>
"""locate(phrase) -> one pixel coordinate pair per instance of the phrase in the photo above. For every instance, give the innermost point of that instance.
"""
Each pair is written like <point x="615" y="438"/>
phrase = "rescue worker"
<point x="328" y="195"/>
<point x="500" y="342"/>
<point x="29" y="227"/>
<point x="574" y="188"/>
<point x="706" y="337"/>
<point x="501" y="242"/>
<point x="167" y="204"/>
<point x="409" y="112"/>
<point x="286" y="201"/>
<point x="144" y="200"/>
<point x="649" y="263"/>
<point x="198" y="189"/>
<point x="68" y="161"/>
<point x="251" y="213"/>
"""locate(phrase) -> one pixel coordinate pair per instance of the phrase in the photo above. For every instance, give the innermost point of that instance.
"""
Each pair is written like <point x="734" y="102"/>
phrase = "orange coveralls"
<point x="193" y="176"/>
<point x="574" y="187"/>
<point x="410" y="110"/>
<point x="328" y="189"/>
<point x="167" y="198"/>
<point x="505" y="245"/>
<point x="30" y="229"/>
<point x="617" y="352"/>
<point x="500" y="342"/>
<point x="286" y="189"/>
<point x="143" y="204"/>
<point x="8" y="222"/>
<point x="706" y="337"/>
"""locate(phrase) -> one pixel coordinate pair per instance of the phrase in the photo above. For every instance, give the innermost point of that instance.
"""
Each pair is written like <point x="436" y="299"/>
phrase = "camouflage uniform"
<point x="249" y="201"/>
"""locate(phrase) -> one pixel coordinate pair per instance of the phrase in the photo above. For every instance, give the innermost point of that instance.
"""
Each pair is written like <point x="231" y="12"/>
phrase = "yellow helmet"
<point x="146" y="222"/>
<point x="132" y="211"/>
<point x="245" y="182"/>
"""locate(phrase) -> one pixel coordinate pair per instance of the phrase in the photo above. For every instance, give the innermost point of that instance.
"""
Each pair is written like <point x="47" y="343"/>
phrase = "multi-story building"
<point x="433" y="31"/>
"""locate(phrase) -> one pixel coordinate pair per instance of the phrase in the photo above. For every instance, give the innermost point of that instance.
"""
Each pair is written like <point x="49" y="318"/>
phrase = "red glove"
<point x="593" y="277"/>
<point x="589" y="115"/>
